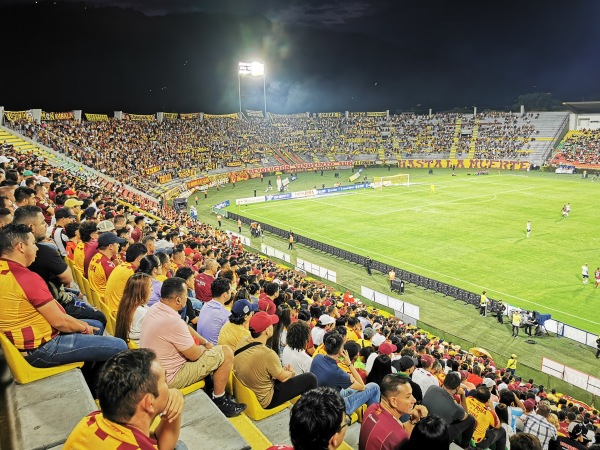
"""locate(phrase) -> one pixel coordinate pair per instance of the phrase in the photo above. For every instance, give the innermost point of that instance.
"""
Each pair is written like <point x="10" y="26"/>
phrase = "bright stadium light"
<point x="254" y="69"/>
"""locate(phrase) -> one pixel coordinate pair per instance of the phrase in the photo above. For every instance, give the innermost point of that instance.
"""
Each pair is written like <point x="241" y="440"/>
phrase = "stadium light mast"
<point x="254" y="69"/>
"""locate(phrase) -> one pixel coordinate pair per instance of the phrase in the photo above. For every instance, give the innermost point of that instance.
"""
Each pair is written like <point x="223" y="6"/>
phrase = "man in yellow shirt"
<point x="132" y="392"/>
<point x="102" y="263"/>
<point x="119" y="276"/>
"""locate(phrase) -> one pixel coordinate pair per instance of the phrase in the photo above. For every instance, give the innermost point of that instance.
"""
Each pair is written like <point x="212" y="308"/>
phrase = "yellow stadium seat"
<point x="193" y="387"/>
<point x="132" y="345"/>
<point x="22" y="371"/>
<point x="110" y="321"/>
<point x="254" y="410"/>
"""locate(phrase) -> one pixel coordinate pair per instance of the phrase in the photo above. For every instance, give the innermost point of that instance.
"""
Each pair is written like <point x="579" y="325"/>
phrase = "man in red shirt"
<point x="381" y="428"/>
<point x="41" y="201"/>
<point x="102" y="263"/>
<point x="138" y="230"/>
<point x="205" y="279"/>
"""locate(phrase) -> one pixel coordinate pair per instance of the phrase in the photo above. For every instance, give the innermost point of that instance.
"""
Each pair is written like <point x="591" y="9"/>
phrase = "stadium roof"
<point x="583" y="107"/>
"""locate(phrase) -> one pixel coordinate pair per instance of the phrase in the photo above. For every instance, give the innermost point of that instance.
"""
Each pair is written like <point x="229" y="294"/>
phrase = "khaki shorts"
<point x="192" y="372"/>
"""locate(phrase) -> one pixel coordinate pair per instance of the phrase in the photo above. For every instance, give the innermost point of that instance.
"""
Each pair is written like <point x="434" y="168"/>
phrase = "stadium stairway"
<point x="473" y="143"/>
<point x="455" y="138"/>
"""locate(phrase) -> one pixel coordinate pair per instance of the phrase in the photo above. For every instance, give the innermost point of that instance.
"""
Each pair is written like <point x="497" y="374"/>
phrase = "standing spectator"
<point x="511" y="364"/>
<point x="483" y="301"/>
<point x="368" y="263"/>
<point x="132" y="393"/>
<point x="516" y="322"/>
<point x="138" y="229"/>
<point x="381" y="427"/>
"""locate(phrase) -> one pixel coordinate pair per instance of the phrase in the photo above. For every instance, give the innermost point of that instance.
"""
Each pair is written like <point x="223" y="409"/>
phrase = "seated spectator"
<point x="352" y="389"/>
<point x="294" y="353"/>
<point x="381" y="427"/>
<point x="87" y="246"/>
<point x="35" y="323"/>
<point x="103" y="262"/>
<point x="204" y="280"/>
<point x="150" y="265"/>
<point x="514" y="406"/>
<point x="189" y="313"/>
<point x="133" y="308"/>
<point x="258" y="367"/>
<point x="385" y="348"/>
<point x="118" y="278"/>
<point x="405" y="366"/>
<point x="174" y="342"/>
<point x="502" y="413"/>
<point x="317" y="421"/>
<point x="423" y="376"/>
<point x="213" y="314"/>
<point x="488" y="429"/>
<point x="323" y="325"/>
<point x="578" y="439"/>
<point x="132" y="392"/>
<point x="524" y="441"/>
<point x="382" y="366"/>
<point x="431" y="433"/>
<point x="238" y="325"/>
<point x="165" y="265"/>
<point x="538" y="425"/>
<point x="441" y="402"/>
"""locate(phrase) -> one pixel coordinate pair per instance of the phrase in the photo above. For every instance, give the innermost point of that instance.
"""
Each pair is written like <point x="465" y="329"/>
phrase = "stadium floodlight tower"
<point x="254" y="69"/>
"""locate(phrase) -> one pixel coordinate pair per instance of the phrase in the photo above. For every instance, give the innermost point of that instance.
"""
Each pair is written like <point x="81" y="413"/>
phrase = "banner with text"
<point x="152" y="170"/>
<point x="221" y="116"/>
<point x="252" y="113"/>
<point x="165" y="178"/>
<point x="462" y="164"/>
<point x="169" y="116"/>
<point x="96" y="117"/>
<point x="11" y="116"/>
<point x="140" y="117"/>
<point x="189" y="116"/>
<point x="58" y="115"/>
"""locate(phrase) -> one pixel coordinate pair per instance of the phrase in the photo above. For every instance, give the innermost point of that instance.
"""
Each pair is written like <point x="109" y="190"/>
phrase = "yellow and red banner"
<point x="96" y="117"/>
<point x="152" y="170"/>
<point x="189" y="116"/>
<point x="57" y="115"/>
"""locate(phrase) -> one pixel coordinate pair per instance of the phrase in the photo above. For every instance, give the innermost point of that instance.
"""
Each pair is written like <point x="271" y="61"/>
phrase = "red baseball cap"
<point x="260" y="321"/>
<point x="386" y="348"/>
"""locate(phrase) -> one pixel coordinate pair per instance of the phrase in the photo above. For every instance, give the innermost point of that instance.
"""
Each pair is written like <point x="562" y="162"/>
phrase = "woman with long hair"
<point x="150" y="265"/>
<point x="133" y="307"/>
<point x="279" y="339"/>
<point x="382" y="366"/>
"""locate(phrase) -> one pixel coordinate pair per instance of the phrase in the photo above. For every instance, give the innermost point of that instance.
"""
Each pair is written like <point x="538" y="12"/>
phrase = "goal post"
<point x="402" y="179"/>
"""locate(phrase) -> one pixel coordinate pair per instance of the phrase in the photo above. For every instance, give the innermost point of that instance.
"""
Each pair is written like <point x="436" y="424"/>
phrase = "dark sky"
<point x="417" y="54"/>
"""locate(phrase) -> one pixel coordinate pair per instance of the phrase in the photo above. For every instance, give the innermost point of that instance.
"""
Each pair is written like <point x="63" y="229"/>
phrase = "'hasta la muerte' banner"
<point x="462" y="164"/>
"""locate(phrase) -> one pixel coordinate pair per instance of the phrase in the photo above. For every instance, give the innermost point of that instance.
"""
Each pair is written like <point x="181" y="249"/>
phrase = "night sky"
<point x="181" y="55"/>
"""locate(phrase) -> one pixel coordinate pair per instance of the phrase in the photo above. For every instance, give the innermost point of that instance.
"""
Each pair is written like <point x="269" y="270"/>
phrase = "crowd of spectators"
<point x="579" y="148"/>
<point x="189" y="294"/>
<point x="146" y="150"/>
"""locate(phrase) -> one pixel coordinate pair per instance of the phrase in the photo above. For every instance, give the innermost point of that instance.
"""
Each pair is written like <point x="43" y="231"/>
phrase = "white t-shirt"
<point x="317" y="334"/>
<point x="136" y="323"/>
<point x="424" y="379"/>
<point x="298" y="359"/>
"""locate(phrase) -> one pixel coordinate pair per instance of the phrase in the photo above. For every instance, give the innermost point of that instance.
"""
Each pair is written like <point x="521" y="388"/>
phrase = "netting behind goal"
<point x="402" y="179"/>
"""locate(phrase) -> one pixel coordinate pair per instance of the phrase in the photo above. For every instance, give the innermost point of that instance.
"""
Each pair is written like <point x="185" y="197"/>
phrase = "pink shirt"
<point x="168" y="335"/>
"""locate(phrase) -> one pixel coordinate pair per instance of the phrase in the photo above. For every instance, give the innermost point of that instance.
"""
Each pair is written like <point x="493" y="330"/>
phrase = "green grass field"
<point x="470" y="233"/>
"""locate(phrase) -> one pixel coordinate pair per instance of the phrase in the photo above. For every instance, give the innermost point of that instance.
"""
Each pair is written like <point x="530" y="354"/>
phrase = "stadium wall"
<point x="584" y="122"/>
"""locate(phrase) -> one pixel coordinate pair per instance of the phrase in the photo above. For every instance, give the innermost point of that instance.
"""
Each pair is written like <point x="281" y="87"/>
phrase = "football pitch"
<point x="470" y="232"/>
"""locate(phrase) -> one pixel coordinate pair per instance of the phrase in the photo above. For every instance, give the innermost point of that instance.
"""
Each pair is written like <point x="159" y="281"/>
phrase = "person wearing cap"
<point x="106" y="226"/>
<point x="186" y="356"/>
<point x="352" y="389"/>
<point x="63" y="217"/>
<point x="404" y="367"/>
<point x="381" y="426"/>
<point x="75" y="206"/>
<point x="238" y="324"/>
<point x="214" y="314"/>
<point x="31" y="318"/>
<point x="204" y="280"/>
<point x="102" y="263"/>
<point x="488" y="428"/>
<point x="384" y="348"/>
<point x="537" y="424"/>
<point x="323" y="325"/>
<point x="423" y="375"/>
<point x="578" y="438"/>
<point x="259" y="368"/>
<point x="441" y="402"/>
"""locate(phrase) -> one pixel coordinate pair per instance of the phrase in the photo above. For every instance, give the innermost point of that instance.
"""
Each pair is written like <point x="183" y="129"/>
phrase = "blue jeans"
<point x="354" y="399"/>
<point x="74" y="347"/>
